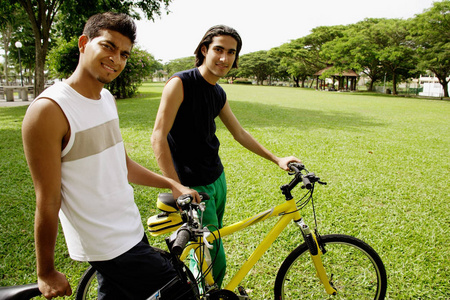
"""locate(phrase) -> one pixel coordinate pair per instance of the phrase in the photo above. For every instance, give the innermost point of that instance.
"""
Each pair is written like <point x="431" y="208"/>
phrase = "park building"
<point x="431" y="86"/>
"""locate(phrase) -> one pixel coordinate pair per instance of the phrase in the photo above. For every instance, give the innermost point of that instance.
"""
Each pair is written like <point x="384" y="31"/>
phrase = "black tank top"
<point x="192" y="139"/>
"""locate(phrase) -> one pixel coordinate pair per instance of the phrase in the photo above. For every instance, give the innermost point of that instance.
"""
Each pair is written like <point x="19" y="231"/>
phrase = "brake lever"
<point x="206" y="234"/>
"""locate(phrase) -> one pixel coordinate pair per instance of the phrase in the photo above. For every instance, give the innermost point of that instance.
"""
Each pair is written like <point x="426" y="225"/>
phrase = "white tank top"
<point x="98" y="214"/>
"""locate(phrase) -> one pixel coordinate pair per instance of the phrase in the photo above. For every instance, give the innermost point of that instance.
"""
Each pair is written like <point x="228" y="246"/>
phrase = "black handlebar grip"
<point x="182" y="239"/>
<point x="204" y="196"/>
<point x="306" y="183"/>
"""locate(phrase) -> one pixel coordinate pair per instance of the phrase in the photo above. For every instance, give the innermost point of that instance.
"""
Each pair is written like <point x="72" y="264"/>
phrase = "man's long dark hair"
<point x="207" y="40"/>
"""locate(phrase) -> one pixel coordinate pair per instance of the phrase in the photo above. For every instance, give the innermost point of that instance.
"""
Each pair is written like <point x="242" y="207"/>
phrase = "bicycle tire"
<point x="357" y="271"/>
<point x="87" y="287"/>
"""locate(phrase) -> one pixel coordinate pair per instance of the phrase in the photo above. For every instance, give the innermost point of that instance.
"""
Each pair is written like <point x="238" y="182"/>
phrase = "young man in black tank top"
<point x="184" y="140"/>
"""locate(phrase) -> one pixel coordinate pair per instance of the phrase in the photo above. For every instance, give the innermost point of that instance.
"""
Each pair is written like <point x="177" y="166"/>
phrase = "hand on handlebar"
<point x="283" y="162"/>
<point x="54" y="285"/>
<point x="185" y="190"/>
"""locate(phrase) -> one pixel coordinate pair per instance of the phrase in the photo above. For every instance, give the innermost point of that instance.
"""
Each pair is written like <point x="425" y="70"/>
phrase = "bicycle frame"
<point x="287" y="211"/>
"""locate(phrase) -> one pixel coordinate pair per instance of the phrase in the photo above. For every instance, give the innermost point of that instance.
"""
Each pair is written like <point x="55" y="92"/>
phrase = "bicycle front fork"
<point x="316" y="253"/>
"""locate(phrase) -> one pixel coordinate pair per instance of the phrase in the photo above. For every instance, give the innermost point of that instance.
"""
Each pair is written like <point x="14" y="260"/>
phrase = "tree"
<point x="297" y="60"/>
<point x="10" y="21"/>
<point x="394" y="51"/>
<point x="257" y="64"/>
<point x="431" y="36"/>
<point x="358" y="50"/>
<point x="314" y="42"/>
<point x="43" y="13"/>
<point x="140" y="65"/>
<point x="63" y="58"/>
<point x="24" y="34"/>
<point x="179" y="64"/>
<point x="303" y="57"/>
<point x="233" y="74"/>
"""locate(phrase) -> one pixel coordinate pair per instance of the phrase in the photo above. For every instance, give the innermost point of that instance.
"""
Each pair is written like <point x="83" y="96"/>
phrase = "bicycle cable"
<point x="299" y="206"/>
<point x="201" y="247"/>
<point x="301" y="203"/>
<point x="313" y="206"/>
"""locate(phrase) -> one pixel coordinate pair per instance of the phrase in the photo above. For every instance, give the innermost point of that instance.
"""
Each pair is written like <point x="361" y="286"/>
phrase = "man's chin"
<point x="222" y="73"/>
<point x="105" y="80"/>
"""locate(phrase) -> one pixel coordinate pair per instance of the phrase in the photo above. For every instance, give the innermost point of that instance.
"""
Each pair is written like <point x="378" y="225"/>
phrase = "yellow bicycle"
<point x="335" y="266"/>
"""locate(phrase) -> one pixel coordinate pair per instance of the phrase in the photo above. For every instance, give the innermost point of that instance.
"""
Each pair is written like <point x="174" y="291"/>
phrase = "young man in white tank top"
<point x="81" y="173"/>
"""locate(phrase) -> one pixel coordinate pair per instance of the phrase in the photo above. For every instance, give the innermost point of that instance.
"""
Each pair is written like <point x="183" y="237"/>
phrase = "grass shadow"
<point x="257" y="115"/>
<point x="141" y="114"/>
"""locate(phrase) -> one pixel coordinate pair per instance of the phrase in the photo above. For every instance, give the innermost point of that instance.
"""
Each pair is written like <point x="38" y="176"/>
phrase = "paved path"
<point x="16" y="102"/>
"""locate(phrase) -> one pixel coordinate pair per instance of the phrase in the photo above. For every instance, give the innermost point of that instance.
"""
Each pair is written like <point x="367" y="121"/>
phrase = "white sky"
<point x="262" y="24"/>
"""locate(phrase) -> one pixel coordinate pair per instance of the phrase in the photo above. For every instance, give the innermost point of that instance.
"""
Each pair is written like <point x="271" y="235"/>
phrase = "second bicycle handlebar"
<point x="192" y="228"/>
<point x="182" y="238"/>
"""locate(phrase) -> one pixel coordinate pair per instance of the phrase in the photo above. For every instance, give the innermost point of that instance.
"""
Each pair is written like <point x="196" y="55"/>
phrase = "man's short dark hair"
<point x="119" y="22"/>
<point x="207" y="40"/>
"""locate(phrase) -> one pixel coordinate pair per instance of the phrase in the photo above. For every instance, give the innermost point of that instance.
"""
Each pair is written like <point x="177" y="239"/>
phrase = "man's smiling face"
<point x="106" y="55"/>
<point x="219" y="57"/>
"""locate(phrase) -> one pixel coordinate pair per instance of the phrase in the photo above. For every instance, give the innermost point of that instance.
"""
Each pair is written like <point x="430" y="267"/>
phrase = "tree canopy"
<point x="391" y="49"/>
<point x="49" y="19"/>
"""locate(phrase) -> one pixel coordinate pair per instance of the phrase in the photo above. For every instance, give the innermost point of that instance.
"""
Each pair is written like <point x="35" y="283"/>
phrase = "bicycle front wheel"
<point x="87" y="287"/>
<point x="352" y="266"/>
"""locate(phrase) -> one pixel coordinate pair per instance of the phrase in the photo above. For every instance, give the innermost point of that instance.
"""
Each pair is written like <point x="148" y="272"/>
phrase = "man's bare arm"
<point x="44" y="129"/>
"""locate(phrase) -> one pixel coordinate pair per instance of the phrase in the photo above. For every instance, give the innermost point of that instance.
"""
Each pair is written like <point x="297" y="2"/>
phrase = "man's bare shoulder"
<point x="45" y="114"/>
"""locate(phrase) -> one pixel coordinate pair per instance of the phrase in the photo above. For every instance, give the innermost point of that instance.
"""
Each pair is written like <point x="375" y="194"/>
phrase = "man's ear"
<point x="82" y="41"/>
<point x="204" y="50"/>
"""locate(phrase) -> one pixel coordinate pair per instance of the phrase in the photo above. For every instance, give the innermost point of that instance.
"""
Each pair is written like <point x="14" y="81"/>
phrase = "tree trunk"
<point x="41" y="22"/>
<point x="445" y="87"/>
<point x="39" y="77"/>
<point x="394" y="83"/>
<point x="443" y="81"/>
<point x="296" y="80"/>
<point x="6" y="34"/>
<point x="370" y="85"/>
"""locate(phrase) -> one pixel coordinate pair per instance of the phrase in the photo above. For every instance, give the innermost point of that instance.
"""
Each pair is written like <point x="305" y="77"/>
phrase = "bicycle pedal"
<point x="242" y="293"/>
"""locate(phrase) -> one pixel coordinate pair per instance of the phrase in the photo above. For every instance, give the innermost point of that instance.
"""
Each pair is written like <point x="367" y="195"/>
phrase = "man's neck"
<point x="88" y="88"/>
<point x="208" y="76"/>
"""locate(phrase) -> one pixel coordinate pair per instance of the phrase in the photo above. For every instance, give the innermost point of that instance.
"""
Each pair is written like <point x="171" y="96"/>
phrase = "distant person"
<point x="81" y="171"/>
<point x="184" y="140"/>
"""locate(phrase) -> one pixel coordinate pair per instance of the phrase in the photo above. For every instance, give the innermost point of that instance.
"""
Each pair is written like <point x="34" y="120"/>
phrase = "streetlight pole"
<point x="18" y="46"/>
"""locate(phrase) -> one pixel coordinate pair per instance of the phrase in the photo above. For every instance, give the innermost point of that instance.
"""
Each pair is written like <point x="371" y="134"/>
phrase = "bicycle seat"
<point x="19" y="292"/>
<point x="167" y="221"/>
<point x="166" y="203"/>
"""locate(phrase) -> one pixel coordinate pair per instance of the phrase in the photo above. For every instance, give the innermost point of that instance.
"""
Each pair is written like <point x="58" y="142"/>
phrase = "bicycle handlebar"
<point x="308" y="179"/>
<point x="191" y="229"/>
<point x="306" y="183"/>
<point x="182" y="238"/>
<point x="18" y="292"/>
<point x="296" y="167"/>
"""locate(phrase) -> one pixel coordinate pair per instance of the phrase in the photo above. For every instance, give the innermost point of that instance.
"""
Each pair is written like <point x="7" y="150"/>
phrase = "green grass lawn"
<point x="386" y="161"/>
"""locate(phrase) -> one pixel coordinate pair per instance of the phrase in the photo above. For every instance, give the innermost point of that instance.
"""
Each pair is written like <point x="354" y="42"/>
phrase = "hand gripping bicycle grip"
<point x="183" y="236"/>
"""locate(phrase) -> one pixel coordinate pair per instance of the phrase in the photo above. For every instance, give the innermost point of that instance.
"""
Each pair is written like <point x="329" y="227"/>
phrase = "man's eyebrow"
<point x="115" y="47"/>
<point x="111" y="43"/>
<point x="223" y="48"/>
<point x="127" y="53"/>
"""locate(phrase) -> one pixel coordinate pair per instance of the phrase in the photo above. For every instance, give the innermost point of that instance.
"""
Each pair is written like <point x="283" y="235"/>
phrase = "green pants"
<point x="213" y="219"/>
